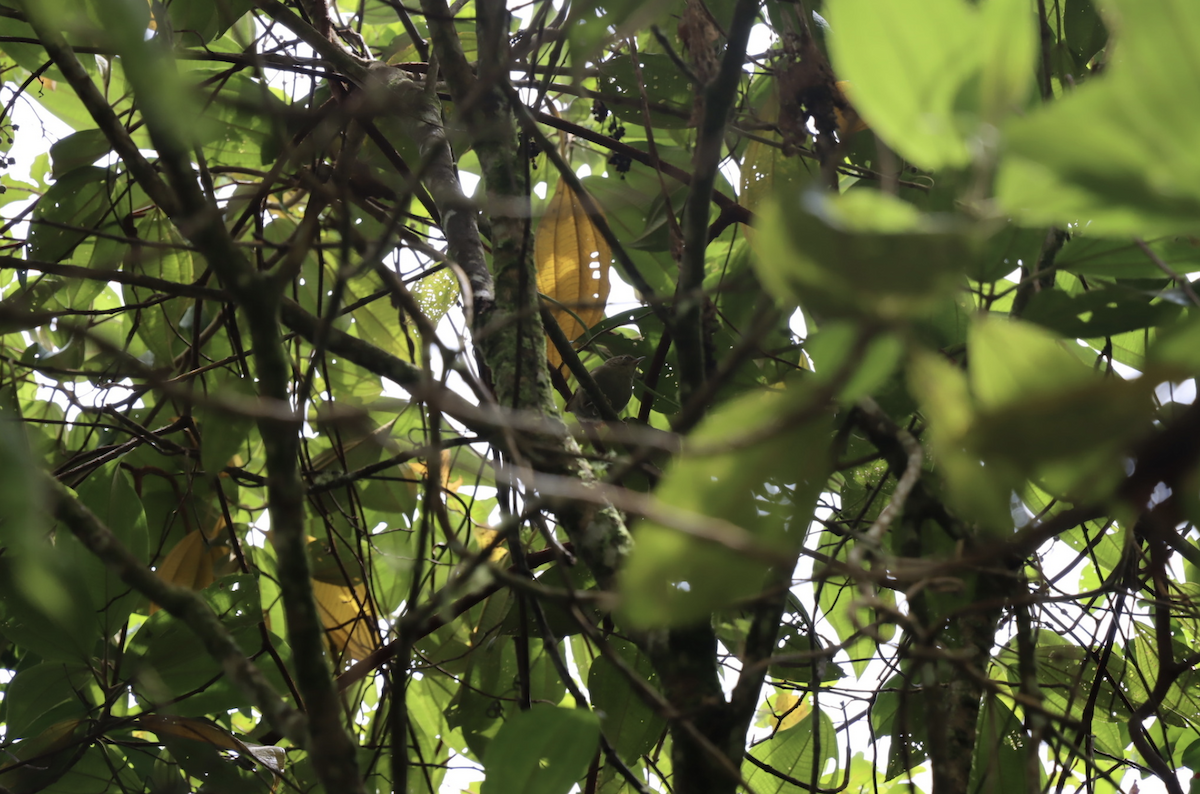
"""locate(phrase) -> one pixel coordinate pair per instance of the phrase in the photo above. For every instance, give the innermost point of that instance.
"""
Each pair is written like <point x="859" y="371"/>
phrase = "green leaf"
<point x="168" y="660"/>
<point x="204" y="761"/>
<point x="1008" y="53"/>
<point x="72" y="205"/>
<point x="166" y="255"/>
<point x="1017" y="370"/>
<point x="223" y="432"/>
<point x="1178" y="349"/>
<point x="198" y="22"/>
<point x="46" y="606"/>
<point x="42" y="694"/>
<point x="632" y="726"/>
<point x="38" y="763"/>
<point x="1001" y="751"/>
<point x="594" y="22"/>
<point x="907" y="61"/>
<point x="1100" y="312"/>
<point x="1007" y="251"/>
<point x="78" y="150"/>
<point x="674" y="577"/>
<point x="1084" y="30"/>
<point x="1117" y="155"/>
<point x="801" y="752"/>
<point x="541" y="751"/>
<point x="1013" y="361"/>
<point x="110" y="495"/>
<point x="1095" y="256"/>
<point x="835" y="345"/>
<point x="863" y="252"/>
<point x="899" y="713"/>
<point x="666" y="88"/>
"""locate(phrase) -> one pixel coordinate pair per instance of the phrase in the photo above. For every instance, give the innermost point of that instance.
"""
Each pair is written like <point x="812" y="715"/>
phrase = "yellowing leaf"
<point x="418" y="468"/>
<point x="274" y="758"/>
<point x="189" y="728"/>
<point x="789" y="709"/>
<point x="347" y="618"/>
<point x="573" y="264"/>
<point x="486" y="535"/>
<point x="191" y="563"/>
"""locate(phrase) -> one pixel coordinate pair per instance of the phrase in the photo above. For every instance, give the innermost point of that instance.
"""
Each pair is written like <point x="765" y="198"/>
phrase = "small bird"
<point x="615" y="379"/>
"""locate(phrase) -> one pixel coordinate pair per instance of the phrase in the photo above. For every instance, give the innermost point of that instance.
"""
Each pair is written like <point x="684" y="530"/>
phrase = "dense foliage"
<point x="905" y="497"/>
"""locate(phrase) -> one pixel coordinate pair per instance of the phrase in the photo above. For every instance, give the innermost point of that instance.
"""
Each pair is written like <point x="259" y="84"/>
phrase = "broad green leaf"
<point x="197" y="22"/>
<point x="223" y="432"/>
<point x="1018" y="370"/>
<point x="667" y="89"/>
<point x="73" y="204"/>
<point x="110" y="495"/>
<point x="834" y="346"/>
<point x="166" y="660"/>
<point x="1013" y="361"/>
<point x="1097" y="256"/>
<point x="763" y="508"/>
<point x="1118" y="155"/>
<point x="974" y="489"/>
<point x="899" y="713"/>
<point x="36" y="763"/>
<point x="541" y="751"/>
<point x="1178" y="348"/>
<point x="908" y="60"/>
<point x="1100" y="312"/>
<point x="633" y="727"/>
<point x="1084" y="29"/>
<point x="47" y="608"/>
<point x="1008" y="54"/>
<point x="623" y="203"/>
<point x="594" y="22"/>
<point x="1006" y="251"/>
<point x="204" y="761"/>
<point x="864" y="252"/>
<point x="1001" y="752"/>
<point x="41" y="695"/>
<point x="78" y="150"/>
<point x="165" y="255"/>
<point x="801" y="752"/>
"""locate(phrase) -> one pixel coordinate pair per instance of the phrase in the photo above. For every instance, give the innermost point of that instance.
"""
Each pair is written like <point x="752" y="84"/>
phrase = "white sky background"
<point x="38" y="130"/>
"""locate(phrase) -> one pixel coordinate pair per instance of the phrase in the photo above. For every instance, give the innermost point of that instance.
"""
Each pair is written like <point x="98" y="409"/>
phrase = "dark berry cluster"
<point x="620" y="162"/>
<point x="599" y="111"/>
<point x="532" y="150"/>
<point x="616" y="130"/>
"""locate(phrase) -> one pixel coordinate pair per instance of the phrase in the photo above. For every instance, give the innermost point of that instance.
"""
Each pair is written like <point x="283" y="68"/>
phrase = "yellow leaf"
<point x="486" y="535"/>
<point x="347" y="618"/>
<point x="191" y="563"/>
<point x="418" y="468"/>
<point x="789" y="709"/>
<point x="189" y="728"/>
<point x="573" y="264"/>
